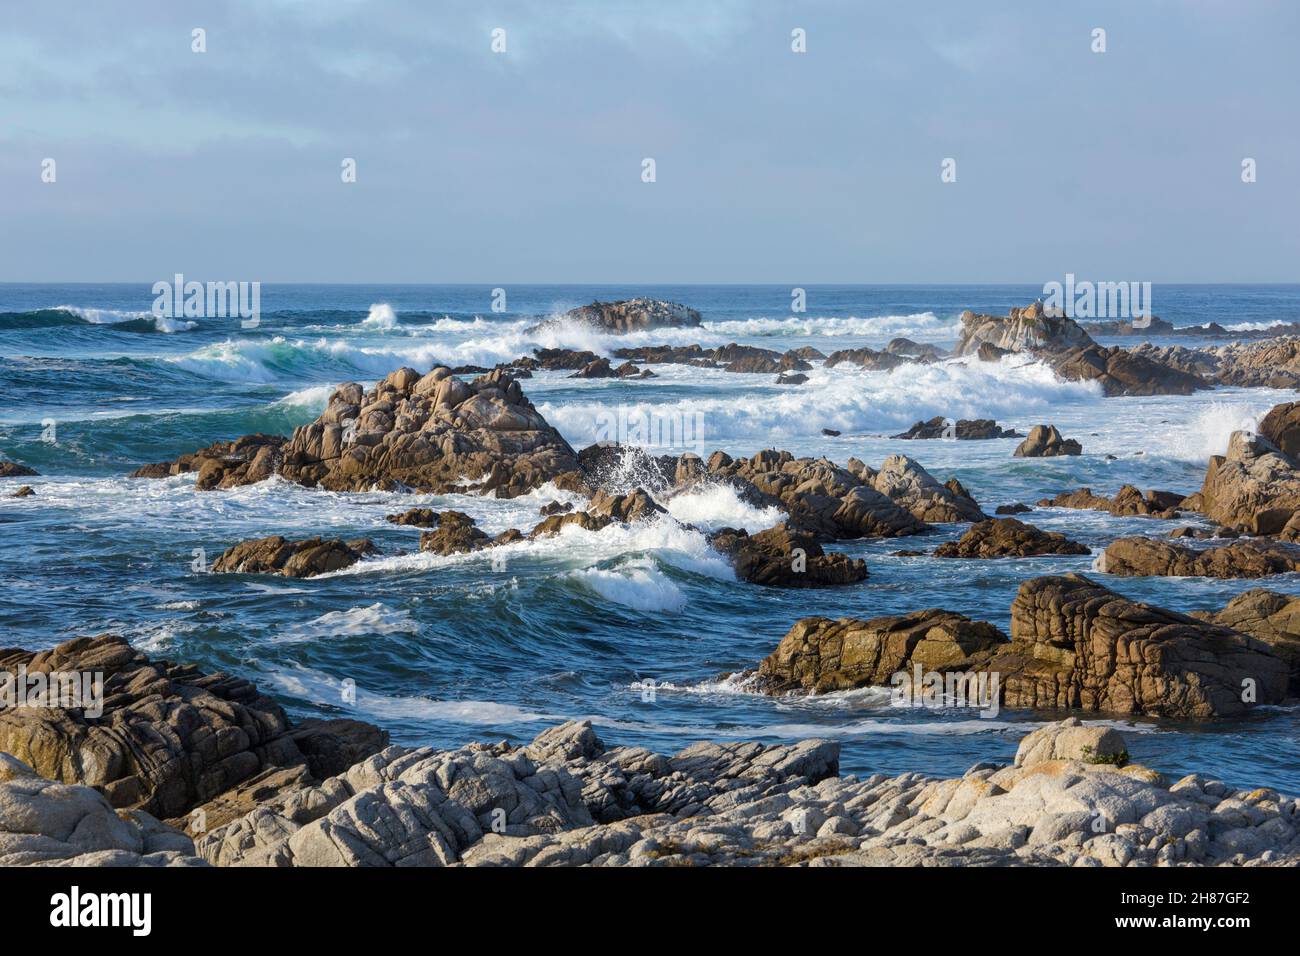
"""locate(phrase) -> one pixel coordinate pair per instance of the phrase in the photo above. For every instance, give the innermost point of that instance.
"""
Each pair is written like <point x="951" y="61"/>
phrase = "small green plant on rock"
<point x="1115" y="760"/>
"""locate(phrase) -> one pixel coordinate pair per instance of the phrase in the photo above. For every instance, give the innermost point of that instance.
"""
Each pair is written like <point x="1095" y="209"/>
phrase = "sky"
<point x="770" y="165"/>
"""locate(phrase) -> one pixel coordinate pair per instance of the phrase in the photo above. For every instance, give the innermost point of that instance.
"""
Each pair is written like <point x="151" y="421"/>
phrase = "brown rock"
<point x="11" y="469"/>
<point x="1045" y="441"/>
<point x="1007" y="537"/>
<point x="1139" y="557"/>
<point x="780" y="557"/>
<point x="1269" y="617"/>
<point x="455" y="533"/>
<point x="294" y="559"/>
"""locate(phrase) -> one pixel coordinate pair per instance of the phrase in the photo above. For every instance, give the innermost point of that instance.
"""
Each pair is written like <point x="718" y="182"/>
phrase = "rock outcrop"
<point x="1254" y="488"/>
<point x="1139" y="557"/>
<point x="1045" y="441"/>
<point x="630" y="315"/>
<point x="12" y="469"/>
<point x="1125" y="372"/>
<point x="780" y="557"/>
<point x="1008" y="538"/>
<point x="171" y="739"/>
<point x="1022" y="330"/>
<point x="293" y="559"/>
<point x="225" y="464"/>
<point x="1269" y="617"/>
<point x="1128" y="501"/>
<point x="977" y="429"/>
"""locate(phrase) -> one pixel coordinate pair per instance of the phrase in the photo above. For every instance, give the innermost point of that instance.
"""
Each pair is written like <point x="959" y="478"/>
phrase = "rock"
<point x="12" y="469"/>
<point x="1007" y="537"/>
<point x="629" y="315"/>
<point x="1124" y="372"/>
<point x="1128" y="501"/>
<point x="988" y="352"/>
<point x="1273" y="364"/>
<point x="1269" y="617"/>
<point x="921" y="351"/>
<point x="556" y="508"/>
<point x="831" y="432"/>
<point x="47" y="823"/>
<point x="416" y="517"/>
<point x="1069" y="739"/>
<point x="821" y="655"/>
<point x="979" y="429"/>
<point x="454" y="533"/>
<point x="431" y="433"/>
<point x="780" y="557"/>
<point x="598" y="368"/>
<point x="786" y="378"/>
<point x="1045" y="441"/>
<point x="1012" y="509"/>
<point x="293" y="559"/>
<point x="1281" y="426"/>
<point x="906" y="483"/>
<point x="170" y="738"/>
<point x="1139" y="557"/>
<point x="868" y="359"/>
<point x="636" y="505"/>
<point x="1254" y="488"/>
<point x="1021" y="330"/>
<point x="228" y="464"/>
<point x="1078" y="645"/>
<point x="24" y="492"/>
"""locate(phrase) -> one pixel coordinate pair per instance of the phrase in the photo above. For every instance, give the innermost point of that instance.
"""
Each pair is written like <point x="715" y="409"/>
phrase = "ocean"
<point x="632" y="628"/>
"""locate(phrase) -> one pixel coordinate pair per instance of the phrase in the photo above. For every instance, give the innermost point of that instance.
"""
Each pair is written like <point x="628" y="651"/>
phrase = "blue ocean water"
<point x="445" y="650"/>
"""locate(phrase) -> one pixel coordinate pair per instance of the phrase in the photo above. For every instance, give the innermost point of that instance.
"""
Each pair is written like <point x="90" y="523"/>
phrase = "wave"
<point x="358" y="621"/>
<point x="1208" y="430"/>
<point x="918" y="324"/>
<point x="714" y="506"/>
<point x="75" y="315"/>
<point x="637" y="584"/>
<point x="381" y="316"/>
<point x="851" y="401"/>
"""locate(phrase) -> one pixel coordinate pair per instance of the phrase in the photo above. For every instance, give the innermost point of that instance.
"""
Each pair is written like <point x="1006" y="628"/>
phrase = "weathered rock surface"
<point x="1254" y="488"/>
<point x="1128" y="501"/>
<point x="293" y="559"/>
<point x="977" y="429"/>
<point x="170" y="739"/>
<point x="47" y="823"/>
<point x="12" y="469"/>
<point x="1138" y="556"/>
<point x="780" y="557"/>
<point x="225" y="464"/>
<point x="24" y="492"/>
<point x="1045" y="441"/>
<point x="1271" y="364"/>
<point x="1023" y="329"/>
<point x="822" y="655"/>
<point x="1008" y="538"/>
<point x="906" y="483"/>
<point x="1267" y="616"/>
<point x="1125" y="372"/>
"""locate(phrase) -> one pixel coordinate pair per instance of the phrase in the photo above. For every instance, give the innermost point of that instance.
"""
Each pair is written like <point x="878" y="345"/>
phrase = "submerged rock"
<point x="1128" y="501"/>
<point x="1139" y="557"/>
<point x="12" y="469"/>
<point x="977" y="429"/>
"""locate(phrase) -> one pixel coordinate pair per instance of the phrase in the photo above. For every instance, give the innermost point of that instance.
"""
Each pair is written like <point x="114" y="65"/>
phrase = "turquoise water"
<point x="444" y="650"/>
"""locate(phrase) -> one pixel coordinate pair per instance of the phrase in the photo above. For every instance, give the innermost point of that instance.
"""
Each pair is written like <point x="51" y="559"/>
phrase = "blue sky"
<point x="771" y="166"/>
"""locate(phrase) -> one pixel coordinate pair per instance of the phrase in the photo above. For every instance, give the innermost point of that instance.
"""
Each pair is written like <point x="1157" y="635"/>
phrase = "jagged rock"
<point x="24" y="492"/>
<point x="170" y="738"/>
<point x="988" y="352"/>
<point x="822" y="655"/>
<point x="293" y="559"/>
<point x="629" y="315"/>
<point x="1027" y="329"/>
<point x="1255" y="488"/>
<point x="977" y="429"/>
<point x="779" y="557"/>
<point x="1273" y="364"/>
<point x="47" y="823"/>
<point x="1138" y="557"/>
<point x="228" y="464"/>
<point x="1078" y="645"/>
<point x="563" y="360"/>
<point x="12" y="469"/>
<point x="868" y="359"/>
<point x="906" y="483"/>
<point x="921" y="351"/>
<point x="1281" y="426"/>
<point x="1123" y="372"/>
<point x="556" y="508"/>
<point x="1045" y="441"/>
<point x="636" y="505"/>
<point x="1269" y="617"/>
<point x="599" y="368"/>
<point x="1007" y="537"/>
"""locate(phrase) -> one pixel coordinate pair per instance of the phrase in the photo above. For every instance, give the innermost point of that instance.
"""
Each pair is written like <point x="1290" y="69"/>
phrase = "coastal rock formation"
<point x="1016" y="508"/>
<point x="921" y="351"/>
<point x="1078" y="645"/>
<point x="431" y="433"/>
<point x="630" y="315"/>
<point x="43" y="823"/>
<point x="1281" y="426"/>
<point x="820" y="655"/>
<point x="11" y="469"/>
<point x="779" y="557"/>
<point x="1124" y="372"/>
<point x="1045" y="441"/>
<point x="293" y="559"/>
<point x="1137" y="557"/>
<point x="868" y="359"/>
<point x="225" y="464"/>
<point x="1027" y="329"/>
<point x="1008" y="538"/>
<point x="906" y="483"/>
<point x="454" y="532"/>
<point x="1270" y="364"/>
<point x="415" y="517"/>
<point x="1254" y="488"/>
<point x="978" y="429"/>
<point x="171" y="738"/>
<point x="1128" y="501"/>
<point x="1267" y="616"/>
<point x="24" y="492"/>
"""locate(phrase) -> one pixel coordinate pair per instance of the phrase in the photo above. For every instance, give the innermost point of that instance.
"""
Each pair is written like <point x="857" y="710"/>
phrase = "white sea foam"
<point x="924" y="325"/>
<point x="381" y="316"/>
<point x="638" y="584"/>
<point x="118" y="316"/>
<point x="1208" y="429"/>
<point x="375" y="619"/>
<point x="713" y="506"/>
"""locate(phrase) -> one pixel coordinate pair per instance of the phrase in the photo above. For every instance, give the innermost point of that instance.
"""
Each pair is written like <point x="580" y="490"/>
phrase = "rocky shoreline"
<point x="187" y="768"/>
